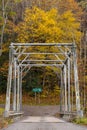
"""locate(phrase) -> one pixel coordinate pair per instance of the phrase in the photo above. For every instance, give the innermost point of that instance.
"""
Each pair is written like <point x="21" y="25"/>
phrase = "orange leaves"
<point x="70" y="5"/>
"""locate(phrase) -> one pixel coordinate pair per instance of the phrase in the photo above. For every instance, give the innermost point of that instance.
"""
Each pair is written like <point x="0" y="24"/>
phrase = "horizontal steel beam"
<point x="31" y="65"/>
<point x="42" y="44"/>
<point x="41" y="60"/>
<point x="42" y="53"/>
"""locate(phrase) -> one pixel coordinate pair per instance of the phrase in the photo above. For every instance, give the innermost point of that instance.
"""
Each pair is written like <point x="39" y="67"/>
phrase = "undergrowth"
<point x="4" y="122"/>
<point x="82" y="121"/>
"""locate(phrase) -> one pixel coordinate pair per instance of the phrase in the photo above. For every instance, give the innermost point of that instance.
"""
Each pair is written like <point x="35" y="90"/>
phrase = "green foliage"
<point x="83" y="4"/>
<point x="4" y="122"/>
<point x="3" y="84"/>
<point x="3" y="70"/>
<point x="1" y="111"/>
<point x="17" y="1"/>
<point x="56" y="90"/>
<point x="82" y="121"/>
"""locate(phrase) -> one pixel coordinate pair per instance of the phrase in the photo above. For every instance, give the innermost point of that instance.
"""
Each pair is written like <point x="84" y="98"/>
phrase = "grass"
<point x="1" y="111"/>
<point x="82" y="121"/>
<point x="4" y="122"/>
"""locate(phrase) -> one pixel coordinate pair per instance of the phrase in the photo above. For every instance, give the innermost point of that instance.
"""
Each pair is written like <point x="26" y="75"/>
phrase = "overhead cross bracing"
<point x="23" y="56"/>
<point x="26" y="56"/>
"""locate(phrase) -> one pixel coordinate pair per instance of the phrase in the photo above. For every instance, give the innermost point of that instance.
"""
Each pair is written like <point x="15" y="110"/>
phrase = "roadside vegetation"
<point x="3" y="121"/>
<point x="81" y="121"/>
<point x="44" y="98"/>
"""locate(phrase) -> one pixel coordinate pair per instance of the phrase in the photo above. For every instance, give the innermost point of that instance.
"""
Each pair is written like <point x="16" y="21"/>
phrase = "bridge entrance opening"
<point x="61" y="57"/>
<point x="41" y="86"/>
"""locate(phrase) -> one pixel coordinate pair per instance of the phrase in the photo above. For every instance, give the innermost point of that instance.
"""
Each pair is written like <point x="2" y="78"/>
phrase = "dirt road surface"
<point x="40" y="110"/>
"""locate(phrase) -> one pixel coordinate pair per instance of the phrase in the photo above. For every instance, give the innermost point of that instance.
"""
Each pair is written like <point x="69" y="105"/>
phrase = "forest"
<point x="43" y="21"/>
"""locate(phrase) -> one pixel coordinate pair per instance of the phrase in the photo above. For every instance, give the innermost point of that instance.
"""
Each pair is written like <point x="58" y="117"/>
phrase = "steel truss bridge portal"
<point x="24" y="56"/>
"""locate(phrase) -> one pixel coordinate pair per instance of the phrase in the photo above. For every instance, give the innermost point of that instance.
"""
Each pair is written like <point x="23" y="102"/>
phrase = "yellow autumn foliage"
<point x="48" y="26"/>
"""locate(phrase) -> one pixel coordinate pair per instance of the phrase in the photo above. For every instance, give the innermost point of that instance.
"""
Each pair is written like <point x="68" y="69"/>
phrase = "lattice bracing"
<point x="24" y="56"/>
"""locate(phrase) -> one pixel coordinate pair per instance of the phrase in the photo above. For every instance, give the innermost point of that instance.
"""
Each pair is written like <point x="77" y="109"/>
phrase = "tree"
<point x="4" y="14"/>
<point x="47" y="26"/>
<point x="83" y="56"/>
<point x="4" y="20"/>
<point x="70" y="5"/>
<point x="83" y="4"/>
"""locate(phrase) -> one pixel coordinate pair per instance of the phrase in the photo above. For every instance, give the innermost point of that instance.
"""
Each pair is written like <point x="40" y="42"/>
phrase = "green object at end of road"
<point x="37" y="90"/>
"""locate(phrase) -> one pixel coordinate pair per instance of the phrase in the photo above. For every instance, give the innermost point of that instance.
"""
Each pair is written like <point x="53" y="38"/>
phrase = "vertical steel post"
<point x="15" y="85"/>
<point x="63" y="91"/>
<point x="9" y="85"/>
<point x="18" y="89"/>
<point x="69" y="103"/>
<point x="65" y="87"/>
<point x="76" y="80"/>
<point x="61" y="98"/>
<point x="72" y="85"/>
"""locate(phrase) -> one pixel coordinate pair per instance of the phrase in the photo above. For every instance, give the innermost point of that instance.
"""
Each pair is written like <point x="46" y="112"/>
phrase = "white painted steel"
<point x="65" y="56"/>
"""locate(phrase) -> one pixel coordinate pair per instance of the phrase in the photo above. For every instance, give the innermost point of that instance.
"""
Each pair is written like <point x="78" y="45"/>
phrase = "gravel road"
<point x="40" y="110"/>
